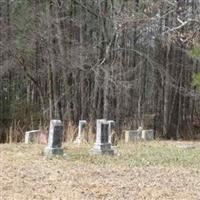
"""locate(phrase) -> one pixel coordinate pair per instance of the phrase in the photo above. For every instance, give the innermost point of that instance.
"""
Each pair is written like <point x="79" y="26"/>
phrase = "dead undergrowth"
<point x="153" y="170"/>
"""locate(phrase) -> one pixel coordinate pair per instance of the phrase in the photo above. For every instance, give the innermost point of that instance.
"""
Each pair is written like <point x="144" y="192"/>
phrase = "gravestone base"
<point x="53" y="151"/>
<point x="102" y="149"/>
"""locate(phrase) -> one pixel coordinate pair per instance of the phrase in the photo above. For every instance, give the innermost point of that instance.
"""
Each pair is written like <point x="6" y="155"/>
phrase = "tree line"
<point x="126" y="60"/>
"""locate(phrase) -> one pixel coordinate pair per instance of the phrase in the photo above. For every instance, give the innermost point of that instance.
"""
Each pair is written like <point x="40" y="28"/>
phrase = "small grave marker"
<point x="148" y="134"/>
<point x="132" y="135"/>
<point x="80" y="137"/>
<point x="36" y="136"/>
<point x="31" y="136"/>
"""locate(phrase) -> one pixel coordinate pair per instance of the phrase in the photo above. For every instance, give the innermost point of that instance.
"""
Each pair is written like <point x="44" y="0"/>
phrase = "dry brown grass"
<point x="134" y="173"/>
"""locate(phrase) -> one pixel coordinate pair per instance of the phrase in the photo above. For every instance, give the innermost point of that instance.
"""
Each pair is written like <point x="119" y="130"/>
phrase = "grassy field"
<point x="142" y="170"/>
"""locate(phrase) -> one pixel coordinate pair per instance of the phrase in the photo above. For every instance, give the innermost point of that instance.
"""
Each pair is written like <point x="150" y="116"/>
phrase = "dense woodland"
<point x="126" y="60"/>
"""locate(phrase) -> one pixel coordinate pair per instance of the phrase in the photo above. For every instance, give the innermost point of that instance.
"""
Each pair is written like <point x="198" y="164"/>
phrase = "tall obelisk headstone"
<point x="102" y="145"/>
<point x="55" y="139"/>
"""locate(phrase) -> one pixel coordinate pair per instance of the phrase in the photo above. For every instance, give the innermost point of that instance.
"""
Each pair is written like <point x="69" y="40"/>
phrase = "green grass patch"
<point x="141" y="154"/>
<point x="138" y="154"/>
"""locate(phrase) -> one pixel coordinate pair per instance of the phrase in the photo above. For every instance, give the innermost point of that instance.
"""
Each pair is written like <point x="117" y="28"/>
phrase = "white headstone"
<point x="55" y="138"/>
<point x="80" y="137"/>
<point x="98" y="130"/>
<point x="102" y="145"/>
<point x="31" y="136"/>
<point x="148" y="134"/>
<point x="132" y="135"/>
<point x="111" y="126"/>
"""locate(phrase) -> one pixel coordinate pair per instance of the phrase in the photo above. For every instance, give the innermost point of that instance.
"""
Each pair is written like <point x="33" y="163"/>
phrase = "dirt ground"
<point x="25" y="174"/>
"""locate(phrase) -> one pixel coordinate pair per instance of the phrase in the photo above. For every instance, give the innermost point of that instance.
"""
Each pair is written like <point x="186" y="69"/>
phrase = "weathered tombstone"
<point x="132" y="135"/>
<point x="139" y="130"/>
<point x="111" y="127"/>
<point x="102" y="145"/>
<point x="36" y="136"/>
<point x="148" y="134"/>
<point x="98" y="130"/>
<point x="31" y="136"/>
<point x="55" y="139"/>
<point x="80" y="137"/>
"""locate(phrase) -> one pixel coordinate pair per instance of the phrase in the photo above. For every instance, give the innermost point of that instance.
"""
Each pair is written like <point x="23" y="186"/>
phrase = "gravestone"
<point x="55" y="139"/>
<point x="132" y="135"/>
<point x="98" y="130"/>
<point x="102" y="145"/>
<point x="111" y="127"/>
<point x="36" y="136"/>
<point x="80" y="137"/>
<point x="139" y="130"/>
<point x="31" y="136"/>
<point x="148" y="134"/>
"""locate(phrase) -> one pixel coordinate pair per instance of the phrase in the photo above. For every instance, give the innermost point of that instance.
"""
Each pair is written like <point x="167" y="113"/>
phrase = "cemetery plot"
<point x="154" y="170"/>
